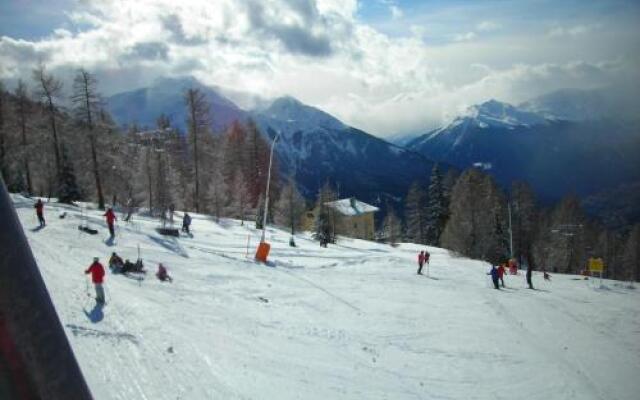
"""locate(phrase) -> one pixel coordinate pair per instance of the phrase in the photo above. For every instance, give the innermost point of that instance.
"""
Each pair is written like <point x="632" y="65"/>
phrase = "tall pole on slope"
<point x="266" y="196"/>
<point x="32" y="341"/>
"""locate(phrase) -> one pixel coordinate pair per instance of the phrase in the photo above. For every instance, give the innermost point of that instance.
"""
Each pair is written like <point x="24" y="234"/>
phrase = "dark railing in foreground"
<point x="36" y="360"/>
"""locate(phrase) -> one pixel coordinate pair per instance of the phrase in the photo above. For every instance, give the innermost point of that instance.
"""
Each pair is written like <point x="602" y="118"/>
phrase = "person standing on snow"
<point x="420" y="262"/>
<point x="186" y="221"/>
<point x="494" y="276"/>
<point x="501" y="272"/>
<point x="111" y="217"/>
<point x="39" y="206"/>
<point x="97" y="274"/>
<point x="529" y="272"/>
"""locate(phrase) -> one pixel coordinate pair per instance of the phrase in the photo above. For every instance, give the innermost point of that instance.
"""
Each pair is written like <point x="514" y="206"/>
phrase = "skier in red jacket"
<point x="97" y="274"/>
<point x="420" y="262"/>
<point x="39" y="206"/>
<point x="111" y="217"/>
<point x="501" y="272"/>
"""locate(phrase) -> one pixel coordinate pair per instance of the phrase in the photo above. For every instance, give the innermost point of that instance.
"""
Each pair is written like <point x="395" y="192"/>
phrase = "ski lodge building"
<point x="351" y="217"/>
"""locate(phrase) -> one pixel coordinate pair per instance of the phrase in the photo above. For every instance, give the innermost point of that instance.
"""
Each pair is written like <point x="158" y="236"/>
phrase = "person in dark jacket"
<point x="97" y="274"/>
<point x="186" y="222"/>
<point x="494" y="276"/>
<point x="111" y="218"/>
<point x="162" y="273"/>
<point x="115" y="263"/>
<point x="39" y="206"/>
<point x="529" y="272"/>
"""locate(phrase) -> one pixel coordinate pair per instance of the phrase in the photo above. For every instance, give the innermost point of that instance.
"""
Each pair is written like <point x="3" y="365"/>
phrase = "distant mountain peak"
<point x="494" y="113"/>
<point x="292" y="110"/>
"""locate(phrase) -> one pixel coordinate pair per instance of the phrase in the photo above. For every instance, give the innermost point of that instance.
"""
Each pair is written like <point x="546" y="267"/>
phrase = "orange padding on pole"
<point x="263" y="252"/>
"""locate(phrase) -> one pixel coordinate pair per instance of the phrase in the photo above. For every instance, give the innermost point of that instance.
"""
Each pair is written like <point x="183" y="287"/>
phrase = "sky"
<point x="389" y="67"/>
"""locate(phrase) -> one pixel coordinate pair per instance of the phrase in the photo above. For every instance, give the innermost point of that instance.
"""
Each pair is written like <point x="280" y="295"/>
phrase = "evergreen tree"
<point x="392" y="226"/>
<point x="260" y="212"/>
<point x="524" y="220"/>
<point x="239" y="197"/>
<point x="631" y="257"/>
<point x="290" y="207"/>
<point x="476" y="226"/>
<point x="3" y="147"/>
<point x="68" y="189"/>
<point x="325" y="220"/>
<point x="416" y="214"/>
<point x="436" y="208"/>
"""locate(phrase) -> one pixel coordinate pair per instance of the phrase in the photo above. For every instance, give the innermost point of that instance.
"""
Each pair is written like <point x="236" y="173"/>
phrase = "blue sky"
<point x="386" y="66"/>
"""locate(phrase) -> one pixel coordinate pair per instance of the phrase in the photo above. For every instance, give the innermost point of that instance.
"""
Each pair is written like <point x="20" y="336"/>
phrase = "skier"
<point x="162" y="273"/>
<point x="186" y="222"/>
<point x="420" y="262"/>
<point x="501" y="272"/>
<point x="172" y="209"/>
<point x="97" y="274"/>
<point x="529" y="271"/>
<point x="39" y="206"/>
<point x="111" y="217"/>
<point x="115" y="263"/>
<point x="494" y="276"/>
<point x="547" y="277"/>
<point x="426" y="260"/>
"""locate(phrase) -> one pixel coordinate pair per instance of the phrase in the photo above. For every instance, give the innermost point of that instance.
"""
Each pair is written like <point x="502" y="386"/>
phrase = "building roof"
<point x="351" y="207"/>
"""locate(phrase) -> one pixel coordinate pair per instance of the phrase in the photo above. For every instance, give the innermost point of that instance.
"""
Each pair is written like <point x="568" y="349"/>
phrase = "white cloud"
<point x="396" y="12"/>
<point x="319" y="52"/>
<point x="488" y="26"/>
<point x="463" y="37"/>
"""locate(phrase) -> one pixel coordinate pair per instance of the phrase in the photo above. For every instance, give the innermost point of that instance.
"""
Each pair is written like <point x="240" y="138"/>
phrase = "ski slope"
<point x="352" y="321"/>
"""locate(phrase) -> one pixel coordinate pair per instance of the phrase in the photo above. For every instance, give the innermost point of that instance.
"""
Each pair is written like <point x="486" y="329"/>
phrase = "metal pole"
<point x="32" y="339"/>
<point x="266" y="196"/>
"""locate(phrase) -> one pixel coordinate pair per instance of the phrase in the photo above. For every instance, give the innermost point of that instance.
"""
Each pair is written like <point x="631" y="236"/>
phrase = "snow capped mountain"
<point x="166" y="96"/>
<point x="315" y="146"/>
<point x="294" y="114"/>
<point x="555" y="155"/>
<point x="494" y="113"/>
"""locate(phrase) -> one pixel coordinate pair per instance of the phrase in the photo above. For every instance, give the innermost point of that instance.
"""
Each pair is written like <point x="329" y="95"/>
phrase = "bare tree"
<point x="290" y="207"/>
<point x="23" y="111"/>
<point x="48" y="90"/>
<point x="198" y="121"/>
<point x="86" y="102"/>
<point x="3" y="154"/>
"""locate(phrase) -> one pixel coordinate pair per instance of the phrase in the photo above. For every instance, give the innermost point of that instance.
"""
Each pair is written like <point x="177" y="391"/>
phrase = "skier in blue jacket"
<point x="494" y="276"/>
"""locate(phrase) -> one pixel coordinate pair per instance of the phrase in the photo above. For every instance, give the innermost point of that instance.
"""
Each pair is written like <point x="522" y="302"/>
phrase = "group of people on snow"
<point x="497" y="274"/>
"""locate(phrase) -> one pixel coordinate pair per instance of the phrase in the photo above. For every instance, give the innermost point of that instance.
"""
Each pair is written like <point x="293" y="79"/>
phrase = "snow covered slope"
<point x="352" y="321"/>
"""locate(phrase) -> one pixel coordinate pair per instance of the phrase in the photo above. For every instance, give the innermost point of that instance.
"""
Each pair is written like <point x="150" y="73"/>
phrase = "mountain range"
<point x="313" y="145"/>
<point x="565" y="142"/>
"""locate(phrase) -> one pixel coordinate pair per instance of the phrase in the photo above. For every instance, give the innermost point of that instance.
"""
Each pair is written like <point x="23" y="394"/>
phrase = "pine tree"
<point x="239" y="197"/>
<point x="324" y="225"/>
<point x="631" y="257"/>
<point x="68" y="189"/>
<point x="4" y="170"/>
<point x="436" y="208"/>
<point x="392" y="226"/>
<point x="476" y="226"/>
<point x="416" y="214"/>
<point x="524" y="220"/>
<point x="290" y="207"/>
<point x="260" y="212"/>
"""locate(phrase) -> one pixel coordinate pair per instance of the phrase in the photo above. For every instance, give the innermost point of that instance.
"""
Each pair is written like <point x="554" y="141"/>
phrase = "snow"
<point x="352" y="321"/>
<point x="351" y="206"/>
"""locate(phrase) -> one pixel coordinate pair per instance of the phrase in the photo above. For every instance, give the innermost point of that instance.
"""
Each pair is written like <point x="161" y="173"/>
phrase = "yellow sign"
<point x="596" y="265"/>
